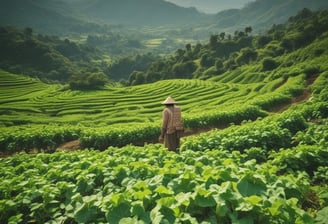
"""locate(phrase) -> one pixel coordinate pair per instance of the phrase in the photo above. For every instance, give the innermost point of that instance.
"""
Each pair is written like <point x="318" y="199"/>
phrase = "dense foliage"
<point x="226" y="52"/>
<point x="151" y="185"/>
<point x="46" y="57"/>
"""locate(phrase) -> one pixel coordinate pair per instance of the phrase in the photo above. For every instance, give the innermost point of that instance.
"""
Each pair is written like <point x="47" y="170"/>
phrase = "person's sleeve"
<point x="165" y="116"/>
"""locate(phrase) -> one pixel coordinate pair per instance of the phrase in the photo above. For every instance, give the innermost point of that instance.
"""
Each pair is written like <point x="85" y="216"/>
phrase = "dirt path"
<point x="70" y="146"/>
<point x="306" y="94"/>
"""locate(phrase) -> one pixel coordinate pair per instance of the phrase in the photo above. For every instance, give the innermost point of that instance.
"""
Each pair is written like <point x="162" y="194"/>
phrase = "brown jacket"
<point x="172" y="120"/>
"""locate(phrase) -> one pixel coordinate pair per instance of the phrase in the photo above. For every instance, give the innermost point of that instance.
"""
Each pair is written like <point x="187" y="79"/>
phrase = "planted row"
<point x="43" y="137"/>
<point x="37" y="137"/>
<point x="148" y="185"/>
<point x="269" y="134"/>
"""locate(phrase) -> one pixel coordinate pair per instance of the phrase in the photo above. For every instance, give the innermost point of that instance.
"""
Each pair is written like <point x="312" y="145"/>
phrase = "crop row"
<point x="269" y="133"/>
<point x="37" y="137"/>
<point x="204" y="104"/>
<point x="150" y="185"/>
<point x="51" y="136"/>
<point x="61" y="106"/>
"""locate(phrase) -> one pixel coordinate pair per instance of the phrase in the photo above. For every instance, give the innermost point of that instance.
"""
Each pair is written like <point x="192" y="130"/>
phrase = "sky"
<point x="211" y="6"/>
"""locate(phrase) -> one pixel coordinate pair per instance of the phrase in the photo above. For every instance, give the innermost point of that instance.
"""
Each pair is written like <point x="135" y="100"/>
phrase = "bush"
<point x="294" y="122"/>
<point x="88" y="81"/>
<point x="301" y="158"/>
<point x="269" y="64"/>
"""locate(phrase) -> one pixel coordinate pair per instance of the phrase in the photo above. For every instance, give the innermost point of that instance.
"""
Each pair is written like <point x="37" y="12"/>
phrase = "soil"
<point x="70" y="146"/>
<point x="306" y="94"/>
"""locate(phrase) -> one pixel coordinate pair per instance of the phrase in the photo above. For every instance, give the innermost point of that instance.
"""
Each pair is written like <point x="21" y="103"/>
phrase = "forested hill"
<point x="43" y="56"/>
<point x="50" y="58"/>
<point x="141" y="12"/>
<point x="80" y="16"/>
<point x="261" y="14"/>
<point x="45" y="15"/>
<point x="225" y="53"/>
<point x="62" y="17"/>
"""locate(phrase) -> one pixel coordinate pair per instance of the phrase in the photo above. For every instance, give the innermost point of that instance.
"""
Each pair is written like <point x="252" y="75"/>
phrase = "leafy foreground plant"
<point x="148" y="185"/>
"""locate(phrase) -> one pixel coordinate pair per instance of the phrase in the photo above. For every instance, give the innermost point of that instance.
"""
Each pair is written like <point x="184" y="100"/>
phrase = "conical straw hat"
<point x="169" y="100"/>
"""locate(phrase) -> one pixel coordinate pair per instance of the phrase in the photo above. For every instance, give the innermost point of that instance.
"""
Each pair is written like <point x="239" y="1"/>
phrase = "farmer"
<point x="172" y="126"/>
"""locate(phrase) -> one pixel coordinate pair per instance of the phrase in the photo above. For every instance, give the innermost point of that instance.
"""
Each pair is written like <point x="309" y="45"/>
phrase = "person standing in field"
<point x="172" y="125"/>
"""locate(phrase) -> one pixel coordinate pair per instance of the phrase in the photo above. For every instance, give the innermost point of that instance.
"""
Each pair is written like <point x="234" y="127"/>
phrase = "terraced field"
<point x="24" y="99"/>
<point x="27" y="105"/>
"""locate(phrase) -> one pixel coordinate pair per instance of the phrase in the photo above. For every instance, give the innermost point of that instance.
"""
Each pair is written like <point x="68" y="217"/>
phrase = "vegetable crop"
<point x="148" y="185"/>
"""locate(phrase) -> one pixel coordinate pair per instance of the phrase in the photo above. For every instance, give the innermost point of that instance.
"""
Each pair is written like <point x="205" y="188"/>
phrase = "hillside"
<point x="211" y="6"/>
<point x="65" y="17"/>
<point x="46" y="57"/>
<point x="47" y="16"/>
<point x="141" y="12"/>
<point x="226" y="54"/>
<point x="261" y="14"/>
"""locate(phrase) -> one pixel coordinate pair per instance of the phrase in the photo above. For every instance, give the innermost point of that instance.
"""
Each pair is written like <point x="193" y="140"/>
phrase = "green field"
<point x="263" y="159"/>
<point x="27" y="104"/>
<point x="268" y="165"/>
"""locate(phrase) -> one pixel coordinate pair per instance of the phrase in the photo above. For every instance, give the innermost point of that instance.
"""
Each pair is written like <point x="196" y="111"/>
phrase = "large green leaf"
<point x="245" y="220"/>
<point x="322" y="216"/>
<point x="166" y="201"/>
<point x="222" y="209"/>
<point x="86" y="213"/>
<point x="275" y="207"/>
<point x="163" y="191"/>
<point x="133" y="220"/>
<point x="115" y="215"/>
<point x="204" y="198"/>
<point x="250" y="185"/>
<point x="183" y="198"/>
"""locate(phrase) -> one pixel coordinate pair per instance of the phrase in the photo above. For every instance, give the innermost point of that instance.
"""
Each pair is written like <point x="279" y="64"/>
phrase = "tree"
<point x="222" y="35"/>
<point x="179" y="54"/>
<point x="213" y="41"/>
<point x="248" y="30"/>
<point x="262" y="40"/>
<point x="246" y="56"/>
<point x="184" y="70"/>
<point x="206" y="60"/>
<point x="219" y="64"/>
<point x="269" y="64"/>
<point x="137" y="78"/>
<point x="188" y="47"/>
<point x="28" y="32"/>
<point x="88" y="81"/>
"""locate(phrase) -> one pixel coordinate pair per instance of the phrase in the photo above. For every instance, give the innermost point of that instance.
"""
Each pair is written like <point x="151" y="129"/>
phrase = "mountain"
<point x="76" y="15"/>
<point x="262" y="14"/>
<point x="48" y="16"/>
<point x="140" y="12"/>
<point x="211" y="6"/>
<point x="84" y="16"/>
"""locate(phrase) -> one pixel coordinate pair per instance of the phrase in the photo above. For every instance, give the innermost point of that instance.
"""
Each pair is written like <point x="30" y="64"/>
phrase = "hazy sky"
<point x="212" y="6"/>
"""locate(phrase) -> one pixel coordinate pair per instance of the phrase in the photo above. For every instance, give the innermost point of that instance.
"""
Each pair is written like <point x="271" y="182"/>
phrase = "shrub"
<point x="88" y="81"/>
<point x="269" y="64"/>
<point x="301" y="158"/>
